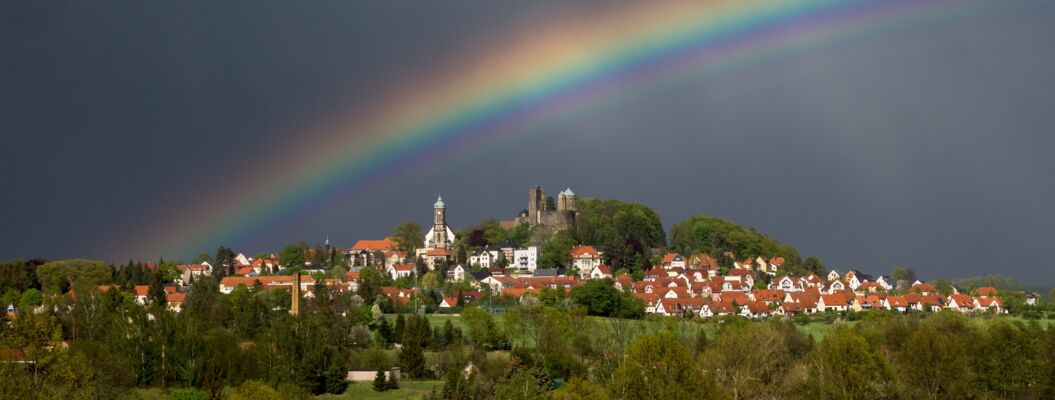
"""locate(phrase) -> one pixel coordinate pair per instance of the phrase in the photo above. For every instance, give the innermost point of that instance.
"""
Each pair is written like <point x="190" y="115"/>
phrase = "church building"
<point x="441" y="236"/>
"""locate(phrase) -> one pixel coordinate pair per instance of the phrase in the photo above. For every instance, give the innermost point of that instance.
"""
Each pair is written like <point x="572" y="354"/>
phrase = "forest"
<point x="101" y="345"/>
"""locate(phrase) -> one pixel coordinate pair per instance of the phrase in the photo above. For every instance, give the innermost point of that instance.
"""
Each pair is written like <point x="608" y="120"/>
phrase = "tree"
<point x="903" y="276"/>
<point x="292" y="257"/>
<point x="814" y="265"/>
<point x="523" y="385"/>
<point x="380" y="383"/>
<point x="659" y="366"/>
<point x="483" y="332"/>
<point x="30" y="299"/>
<point x="59" y="276"/>
<point x="412" y="359"/>
<point x="846" y="367"/>
<point x="224" y="261"/>
<point x="600" y="297"/>
<point x="927" y="346"/>
<point x="156" y="293"/>
<point x="556" y="251"/>
<point x="715" y="236"/>
<point x="408" y="237"/>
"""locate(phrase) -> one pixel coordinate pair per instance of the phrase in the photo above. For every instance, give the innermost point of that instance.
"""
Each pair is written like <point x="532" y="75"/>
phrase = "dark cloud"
<point x="924" y="146"/>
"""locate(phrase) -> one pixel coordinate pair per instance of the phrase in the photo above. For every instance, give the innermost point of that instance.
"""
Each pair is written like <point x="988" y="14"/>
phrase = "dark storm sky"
<point x="925" y="147"/>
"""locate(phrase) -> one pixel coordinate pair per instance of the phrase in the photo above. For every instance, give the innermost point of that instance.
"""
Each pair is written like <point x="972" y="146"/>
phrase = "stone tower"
<point x="439" y="225"/>
<point x="536" y="204"/>
<point x="566" y="200"/>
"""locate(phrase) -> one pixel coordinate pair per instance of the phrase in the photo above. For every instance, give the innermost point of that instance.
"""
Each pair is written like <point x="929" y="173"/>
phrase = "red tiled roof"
<point x="669" y="258"/>
<point x="378" y="245"/>
<point x="834" y="300"/>
<point x="584" y="252"/>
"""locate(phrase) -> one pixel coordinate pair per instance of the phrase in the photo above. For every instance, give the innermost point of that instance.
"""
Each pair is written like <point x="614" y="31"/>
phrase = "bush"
<point x="289" y="391"/>
<point x="189" y="394"/>
<point x="254" y="390"/>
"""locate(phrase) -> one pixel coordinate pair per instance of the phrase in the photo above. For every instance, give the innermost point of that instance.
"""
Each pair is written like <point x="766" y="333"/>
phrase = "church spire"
<point x="439" y="202"/>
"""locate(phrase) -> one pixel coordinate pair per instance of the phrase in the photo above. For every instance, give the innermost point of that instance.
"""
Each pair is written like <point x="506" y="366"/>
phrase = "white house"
<point x="834" y="275"/>
<point x="585" y="259"/>
<point x="832" y="302"/>
<point x="456" y="274"/>
<point x="485" y="258"/>
<point x="402" y="270"/>
<point x="787" y="284"/>
<point x="600" y="272"/>
<point x="526" y="259"/>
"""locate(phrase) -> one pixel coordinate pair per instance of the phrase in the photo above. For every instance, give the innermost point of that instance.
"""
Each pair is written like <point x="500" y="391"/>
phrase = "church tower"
<point x="439" y="228"/>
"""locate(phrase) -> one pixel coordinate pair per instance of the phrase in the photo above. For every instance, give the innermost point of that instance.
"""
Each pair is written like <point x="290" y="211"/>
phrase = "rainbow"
<point x="561" y="69"/>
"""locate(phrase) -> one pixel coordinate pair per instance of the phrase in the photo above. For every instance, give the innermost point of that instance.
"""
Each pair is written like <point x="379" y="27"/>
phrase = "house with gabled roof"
<point x="834" y="275"/>
<point x="755" y="309"/>
<point x="600" y="272"/>
<point x="363" y="252"/>
<point x="833" y="302"/>
<point x="787" y="283"/>
<point x="960" y="302"/>
<point x="992" y="304"/>
<point x="400" y="270"/>
<point x="585" y="258"/>
<point x="835" y="286"/>
<point x="449" y="302"/>
<point x="896" y="303"/>
<point x="672" y="260"/>
<point x="923" y="288"/>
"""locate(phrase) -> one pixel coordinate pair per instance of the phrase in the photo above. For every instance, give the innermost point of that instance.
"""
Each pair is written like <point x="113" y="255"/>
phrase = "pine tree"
<point x="157" y="290"/>
<point x="379" y="381"/>
<point x="412" y="359"/>
<point x="701" y="341"/>
<point x="400" y="329"/>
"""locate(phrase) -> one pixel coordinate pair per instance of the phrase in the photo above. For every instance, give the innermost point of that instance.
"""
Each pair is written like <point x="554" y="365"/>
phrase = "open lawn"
<point x="407" y="390"/>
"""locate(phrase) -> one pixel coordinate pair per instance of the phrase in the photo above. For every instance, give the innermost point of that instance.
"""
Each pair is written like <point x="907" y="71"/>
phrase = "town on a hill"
<point x="568" y="298"/>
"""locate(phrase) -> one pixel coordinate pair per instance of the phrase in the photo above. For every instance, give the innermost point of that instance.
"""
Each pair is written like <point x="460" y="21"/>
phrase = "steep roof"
<point x="379" y="245"/>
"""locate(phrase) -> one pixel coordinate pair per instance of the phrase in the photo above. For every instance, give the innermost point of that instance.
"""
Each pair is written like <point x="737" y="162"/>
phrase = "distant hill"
<point x="1001" y="282"/>
<point x="713" y="235"/>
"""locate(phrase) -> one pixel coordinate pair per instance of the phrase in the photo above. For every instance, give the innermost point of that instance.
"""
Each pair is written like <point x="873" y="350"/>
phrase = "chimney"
<point x="295" y="307"/>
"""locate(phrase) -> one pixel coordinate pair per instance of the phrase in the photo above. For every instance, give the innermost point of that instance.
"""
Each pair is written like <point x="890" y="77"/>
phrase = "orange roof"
<point x="669" y="258"/>
<point x="584" y="252"/>
<point x="924" y="288"/>
<point x="244" y="271"/>
<point x="989" y="301"/>
<point x="961" y="300"/>
<point x="175" y="297"/>
<point x="769" y="295"/>
<point x="403" y="267"/>
<point x="832" y="300"/>
<point x="438" y="253"/>
<point x="450" y="301"/>
<point x="351" y="276"/>
<point x="897" y="301"/>
<point x="987" y="291"/>
<point x="372" y="245"/>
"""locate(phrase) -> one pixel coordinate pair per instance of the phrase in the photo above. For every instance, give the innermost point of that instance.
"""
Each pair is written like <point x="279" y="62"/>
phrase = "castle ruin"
<point x="541" y="213"/>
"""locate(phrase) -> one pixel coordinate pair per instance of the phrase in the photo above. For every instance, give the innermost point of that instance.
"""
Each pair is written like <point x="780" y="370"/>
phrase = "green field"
<point x="407" y="390"/>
